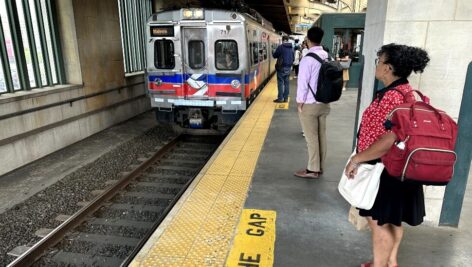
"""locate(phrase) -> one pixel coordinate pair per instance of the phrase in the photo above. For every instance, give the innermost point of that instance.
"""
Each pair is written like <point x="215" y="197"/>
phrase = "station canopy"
<point x="289" y="16"/>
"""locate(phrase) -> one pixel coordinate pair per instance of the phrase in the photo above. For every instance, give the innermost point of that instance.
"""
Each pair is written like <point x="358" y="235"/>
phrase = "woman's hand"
<point x="351" y="169"/>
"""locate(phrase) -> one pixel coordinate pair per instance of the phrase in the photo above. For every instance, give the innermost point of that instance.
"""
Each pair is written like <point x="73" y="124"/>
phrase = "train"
<point x="205" y="67"/>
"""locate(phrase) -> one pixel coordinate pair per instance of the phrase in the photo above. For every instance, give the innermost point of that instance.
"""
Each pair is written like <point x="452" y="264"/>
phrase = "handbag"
<point x="359" y="222"/>
<point x="345" y="64"/>
<point x="362" y="190"/>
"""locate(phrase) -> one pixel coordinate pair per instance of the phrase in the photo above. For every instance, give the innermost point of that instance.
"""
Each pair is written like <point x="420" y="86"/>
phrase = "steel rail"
<point x="161" y="218"/>
<point x="54" y="237"/>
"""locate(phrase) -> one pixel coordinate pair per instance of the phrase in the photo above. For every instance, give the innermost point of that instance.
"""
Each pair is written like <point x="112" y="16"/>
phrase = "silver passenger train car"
<point x="205" y="67"/>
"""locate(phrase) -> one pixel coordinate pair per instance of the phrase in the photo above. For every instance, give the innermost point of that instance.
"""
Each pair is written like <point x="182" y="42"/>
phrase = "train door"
<point x="194" y="64"/>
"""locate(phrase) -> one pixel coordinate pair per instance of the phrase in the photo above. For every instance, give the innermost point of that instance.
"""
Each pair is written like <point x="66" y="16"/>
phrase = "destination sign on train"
<point x="160" y="31"/>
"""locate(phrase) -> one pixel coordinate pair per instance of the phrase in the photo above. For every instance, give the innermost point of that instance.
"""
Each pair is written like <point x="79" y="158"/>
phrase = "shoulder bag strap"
<point x="312" y="91"/>
<point x="315" y="56"/>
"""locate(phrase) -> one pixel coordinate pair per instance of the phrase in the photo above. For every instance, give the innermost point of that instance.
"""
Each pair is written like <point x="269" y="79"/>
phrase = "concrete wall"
<point x="443" y="29"/>
<point x="373" y="39"/>
<point x="91" y="44"/>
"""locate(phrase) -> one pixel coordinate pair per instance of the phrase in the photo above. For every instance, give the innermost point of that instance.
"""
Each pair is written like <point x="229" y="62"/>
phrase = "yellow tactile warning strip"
<point x="253" y="245"/>
<point x="282" y="105"/>
<point x="199" y="229"/>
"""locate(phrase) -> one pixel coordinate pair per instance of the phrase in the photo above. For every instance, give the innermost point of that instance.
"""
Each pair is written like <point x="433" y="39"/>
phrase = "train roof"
<point x="208" y="15"/>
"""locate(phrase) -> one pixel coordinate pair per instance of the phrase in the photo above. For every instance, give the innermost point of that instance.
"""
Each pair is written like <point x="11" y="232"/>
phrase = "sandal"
<point x="369" y="264"/>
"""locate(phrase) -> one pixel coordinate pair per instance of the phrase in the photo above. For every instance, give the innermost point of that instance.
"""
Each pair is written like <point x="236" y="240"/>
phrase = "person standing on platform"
<point x="396" y="201"/>
<point x="284" y="56"/>
<point x="346" y="64"/>
<point x="312" y="114"/>
<point x="296" y="61"/>
<point x="304" y="49"/>
<point x="296" y="45"/>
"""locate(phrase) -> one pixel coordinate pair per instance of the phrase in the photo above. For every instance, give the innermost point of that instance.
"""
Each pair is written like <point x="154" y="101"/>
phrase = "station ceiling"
<point x="274" y="11"/>
<point x="283" y="14"/>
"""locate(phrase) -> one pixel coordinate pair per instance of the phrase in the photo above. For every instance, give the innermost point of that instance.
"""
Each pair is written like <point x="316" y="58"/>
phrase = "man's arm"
<point x="276" y="54"/>
<point x="292" y="57"/>
<point x="302" y="83"/>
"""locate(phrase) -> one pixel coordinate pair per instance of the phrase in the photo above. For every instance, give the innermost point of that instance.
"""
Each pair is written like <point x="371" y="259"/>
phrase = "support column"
<point x="455" y="190"/>
<point x="432" y="26"/>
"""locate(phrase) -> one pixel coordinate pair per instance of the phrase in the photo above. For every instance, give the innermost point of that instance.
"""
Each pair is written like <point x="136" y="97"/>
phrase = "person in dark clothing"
<point x="296" y="45"/>
<point x="283" y="52"/>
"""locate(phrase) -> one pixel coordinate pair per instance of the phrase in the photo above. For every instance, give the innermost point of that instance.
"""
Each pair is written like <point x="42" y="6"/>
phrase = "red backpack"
<point x="424" y="150"/>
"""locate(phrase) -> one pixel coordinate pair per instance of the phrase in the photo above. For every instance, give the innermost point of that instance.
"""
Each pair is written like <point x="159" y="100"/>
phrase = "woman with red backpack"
<point x="396" y="201"/>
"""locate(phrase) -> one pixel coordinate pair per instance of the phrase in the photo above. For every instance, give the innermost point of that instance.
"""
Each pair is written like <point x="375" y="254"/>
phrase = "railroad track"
<point x="110" y="229"/>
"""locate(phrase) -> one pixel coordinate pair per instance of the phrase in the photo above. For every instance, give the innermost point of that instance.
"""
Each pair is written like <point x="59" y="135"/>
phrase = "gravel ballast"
<point x="18" y="224"/>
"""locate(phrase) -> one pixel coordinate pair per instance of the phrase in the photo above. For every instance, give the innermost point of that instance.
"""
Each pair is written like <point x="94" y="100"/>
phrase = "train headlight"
<point x="198" y="14"/>
<point x="187" y="14"/>
<point x="235" y="84"/>
<point x="193" y="13"/>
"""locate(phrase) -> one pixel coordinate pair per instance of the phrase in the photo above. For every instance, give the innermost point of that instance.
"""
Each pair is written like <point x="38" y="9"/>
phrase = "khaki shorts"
<point x="345" y="74"/>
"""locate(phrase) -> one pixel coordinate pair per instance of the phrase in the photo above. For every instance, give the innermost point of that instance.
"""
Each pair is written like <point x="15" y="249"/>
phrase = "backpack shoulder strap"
<point x="381" y="95"/>
<point x="315" y="56"/>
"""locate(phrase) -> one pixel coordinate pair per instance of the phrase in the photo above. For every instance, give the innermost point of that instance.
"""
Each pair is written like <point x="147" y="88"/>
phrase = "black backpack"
<point x="330" y="80"/>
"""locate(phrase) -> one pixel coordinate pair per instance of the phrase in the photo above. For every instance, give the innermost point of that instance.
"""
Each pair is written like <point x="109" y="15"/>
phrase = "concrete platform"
<point x="312" y="227"/>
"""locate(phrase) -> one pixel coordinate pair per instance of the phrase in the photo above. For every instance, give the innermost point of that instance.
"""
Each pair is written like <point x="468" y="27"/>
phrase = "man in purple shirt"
<point x="312" y="114"/>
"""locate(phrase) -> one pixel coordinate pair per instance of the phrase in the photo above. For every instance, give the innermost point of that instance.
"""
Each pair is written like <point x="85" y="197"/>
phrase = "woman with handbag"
<point x="396" y="201"/>
<point x="345" y="61"/>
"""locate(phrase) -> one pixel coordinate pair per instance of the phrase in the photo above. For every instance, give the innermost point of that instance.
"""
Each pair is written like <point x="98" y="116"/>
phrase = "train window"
<point x="250" y="53"/>
<point x="226" y="52"/>
<point x="164" y="54"/>
<point x="196" y="54"/>
<point x="261" y="52"/>
<point x="264" y="50"/>
<point x="255" y="53"/>
<point x="274" y="47"/>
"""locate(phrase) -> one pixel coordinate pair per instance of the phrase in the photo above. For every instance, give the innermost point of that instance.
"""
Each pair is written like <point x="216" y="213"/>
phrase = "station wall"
<point x="443" y="29"/>
<point x="98" y="95"/>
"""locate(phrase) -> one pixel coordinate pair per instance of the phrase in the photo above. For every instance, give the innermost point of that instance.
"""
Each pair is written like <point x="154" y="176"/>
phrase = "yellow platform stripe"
<point x="253" y="245"/>
<point x="199" y="229"/>
<point x="283" y="105"/>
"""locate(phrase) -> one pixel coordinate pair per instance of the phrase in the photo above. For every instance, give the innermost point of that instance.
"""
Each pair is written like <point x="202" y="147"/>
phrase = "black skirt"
<point x="397" y="202"/>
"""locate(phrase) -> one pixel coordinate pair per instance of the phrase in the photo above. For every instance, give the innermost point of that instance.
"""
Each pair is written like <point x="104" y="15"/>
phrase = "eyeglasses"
<point x="377" y="61"/>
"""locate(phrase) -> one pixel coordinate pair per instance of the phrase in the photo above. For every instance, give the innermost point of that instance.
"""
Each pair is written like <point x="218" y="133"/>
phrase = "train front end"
<point x="195" y="67"/>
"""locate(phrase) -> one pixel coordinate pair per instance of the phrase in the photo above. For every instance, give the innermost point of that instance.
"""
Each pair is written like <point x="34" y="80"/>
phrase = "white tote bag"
<point x="362" y="190"/>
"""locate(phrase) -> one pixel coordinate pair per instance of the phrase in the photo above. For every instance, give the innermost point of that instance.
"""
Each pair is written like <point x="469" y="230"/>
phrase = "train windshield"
<point x="164" y="54"/>
<point x="226" y="52"/>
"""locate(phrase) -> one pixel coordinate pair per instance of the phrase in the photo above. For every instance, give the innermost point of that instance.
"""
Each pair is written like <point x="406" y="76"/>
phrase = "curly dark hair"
<point x="404" y="59"/>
